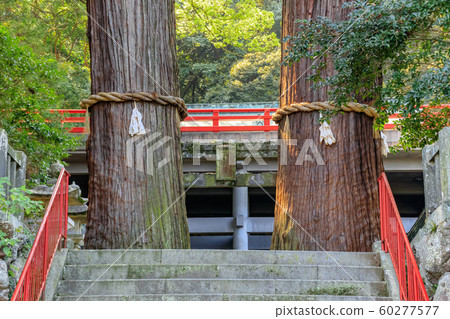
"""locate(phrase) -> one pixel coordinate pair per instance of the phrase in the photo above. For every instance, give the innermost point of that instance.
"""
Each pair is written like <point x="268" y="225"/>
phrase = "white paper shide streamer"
<point x="136" y="125"/>
<point x="326" y="134"/>
<point x="384" y="144"/>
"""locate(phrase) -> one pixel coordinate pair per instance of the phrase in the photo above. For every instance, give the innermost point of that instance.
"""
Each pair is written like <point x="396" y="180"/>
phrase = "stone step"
<point x="167" y="256"/>
<point x="221" y="286"/>
<point x="221" y="297"/>
<point x="231" y="271"/>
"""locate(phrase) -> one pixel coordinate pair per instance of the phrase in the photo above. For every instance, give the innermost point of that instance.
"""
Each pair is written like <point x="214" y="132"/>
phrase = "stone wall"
<point x="13" y="164"/>
<point x="432" y="243"/>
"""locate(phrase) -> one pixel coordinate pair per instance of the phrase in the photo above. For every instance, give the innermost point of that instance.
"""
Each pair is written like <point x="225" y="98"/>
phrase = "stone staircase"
<point x="221" y="275"/>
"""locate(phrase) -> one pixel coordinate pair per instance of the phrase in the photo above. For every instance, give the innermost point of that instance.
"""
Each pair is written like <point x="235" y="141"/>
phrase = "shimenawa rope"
<point x="138" y="96"/>
<point x="326" y="134"/>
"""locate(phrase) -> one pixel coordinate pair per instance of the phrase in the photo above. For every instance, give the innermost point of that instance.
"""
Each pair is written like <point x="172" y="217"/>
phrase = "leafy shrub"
<point x="27" y="91"/>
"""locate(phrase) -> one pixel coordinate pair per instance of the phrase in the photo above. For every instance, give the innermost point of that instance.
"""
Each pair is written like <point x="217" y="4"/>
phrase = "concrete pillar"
<point x="21" y="174"/>
<point x="3" y="153"/>
<point x="436" y="171"/>
<point x="240" y="213"/>
<point x="12" y="173"/>
<point x="3" y="161"/>
<point x="444" y="167"/>
<point x="431" y="177"/>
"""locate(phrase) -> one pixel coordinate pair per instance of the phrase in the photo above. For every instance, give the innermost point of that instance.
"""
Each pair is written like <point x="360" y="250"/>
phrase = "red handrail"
<point x="395" y="241"/>
<point x="52" y="231"/>
<point x="214" y="118"/>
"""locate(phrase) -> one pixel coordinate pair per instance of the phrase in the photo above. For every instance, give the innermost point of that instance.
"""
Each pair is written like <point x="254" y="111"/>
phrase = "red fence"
<point x="261" y="120"/>
<point x="52" y="232"/>
<point x="212" y="120"/>
<point x="395" y="241"/>
<point x="199" y="120"/>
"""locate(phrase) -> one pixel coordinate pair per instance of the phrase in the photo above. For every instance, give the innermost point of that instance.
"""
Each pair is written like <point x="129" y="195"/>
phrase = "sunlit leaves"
<point x="55" y="29"/>
<point x="211" y="63"/>
<point x="241" y="24"/>
<point x="26" y="92"/>
<point x="254" y="78"/>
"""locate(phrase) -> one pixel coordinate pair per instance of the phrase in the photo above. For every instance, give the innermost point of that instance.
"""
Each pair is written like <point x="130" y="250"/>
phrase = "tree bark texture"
<point x="335" y="205"/>
<point x="132" y="204"/>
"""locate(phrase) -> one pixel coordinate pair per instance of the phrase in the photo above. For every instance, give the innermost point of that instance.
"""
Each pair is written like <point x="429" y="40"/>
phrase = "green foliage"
<point x="11" y="270"/>
<point x="405" y="42"/>
<point x="422" y="128"/>
<point x="202" y="67"/>
<point x="6" y="243"/>
<point x="253" y="78"/>
<point x="240" y="24"/>
<point x="212" y="36"/>
<point x="217" y="39"/>
<point x="433" y="228"/>
<point x="27" y="90"/>
<point x="17" y="201"/>
<point x="57" y="30"/>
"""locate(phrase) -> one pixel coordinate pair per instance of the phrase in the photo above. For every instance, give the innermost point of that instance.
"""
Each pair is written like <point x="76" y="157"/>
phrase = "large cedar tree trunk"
<point x="132" y="47"/>
<point x="336" y="204"/>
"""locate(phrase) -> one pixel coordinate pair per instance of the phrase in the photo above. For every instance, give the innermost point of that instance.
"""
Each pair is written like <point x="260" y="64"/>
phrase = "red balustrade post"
<point x="215" y="121"/>
<point x="383" y="218"/>
<point x="44" y="268"/>
<point x="66" y="208"/>
<point x="26" y="295"/>
<point x="61" y="207"/>
<point x="266" y="119"/>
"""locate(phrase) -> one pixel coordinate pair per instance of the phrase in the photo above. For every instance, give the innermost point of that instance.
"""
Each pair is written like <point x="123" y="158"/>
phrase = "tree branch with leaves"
<point x="404" y="41"/>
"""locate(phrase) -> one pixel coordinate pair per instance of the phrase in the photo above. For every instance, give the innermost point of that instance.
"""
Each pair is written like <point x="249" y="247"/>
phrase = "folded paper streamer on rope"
<point x="326" y="134"/>
<point x="384" y="144"/>
<point x="325" y="130"/>
<point x="136" y="125"/>
<point x="136" y="96"/>
<point x="133" y="96"/>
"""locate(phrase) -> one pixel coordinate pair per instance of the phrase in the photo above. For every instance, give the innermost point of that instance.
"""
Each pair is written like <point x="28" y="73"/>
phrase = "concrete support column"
<point x="3" y="154"/>
<point x="3" y="161"/>
<point x="240" y="213"/>
<point x="21" y="173"/>
<point x="444" y="152"/>
<point x="431" y="177"/>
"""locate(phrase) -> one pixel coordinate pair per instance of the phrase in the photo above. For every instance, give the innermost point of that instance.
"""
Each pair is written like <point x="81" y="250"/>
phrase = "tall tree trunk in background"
<point x="335" y="204"/>
<point x="132" y="47"/>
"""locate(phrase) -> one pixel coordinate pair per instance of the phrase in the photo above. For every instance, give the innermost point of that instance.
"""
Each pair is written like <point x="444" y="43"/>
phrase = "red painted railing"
<point x="395" y="241"/>
<point x="77" y="117"/>
<point x="52" y="233"/>
<point x="195" y="122"/>
<point x="199" y="120"/>
<point x="212" y="120"/>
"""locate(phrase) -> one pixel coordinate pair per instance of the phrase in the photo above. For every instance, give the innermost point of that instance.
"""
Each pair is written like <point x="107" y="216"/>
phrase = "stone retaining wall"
<point x="432" y="243"/>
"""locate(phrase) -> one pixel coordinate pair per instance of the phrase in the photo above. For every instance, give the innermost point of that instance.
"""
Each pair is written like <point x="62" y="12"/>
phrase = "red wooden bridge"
<point x="213" y="119"/>
<point x="207" y="120"/>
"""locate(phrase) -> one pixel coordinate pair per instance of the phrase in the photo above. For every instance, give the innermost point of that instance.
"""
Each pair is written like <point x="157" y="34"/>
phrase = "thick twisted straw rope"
<point x="139" y="96"/>
<point x="318" y="106"/>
